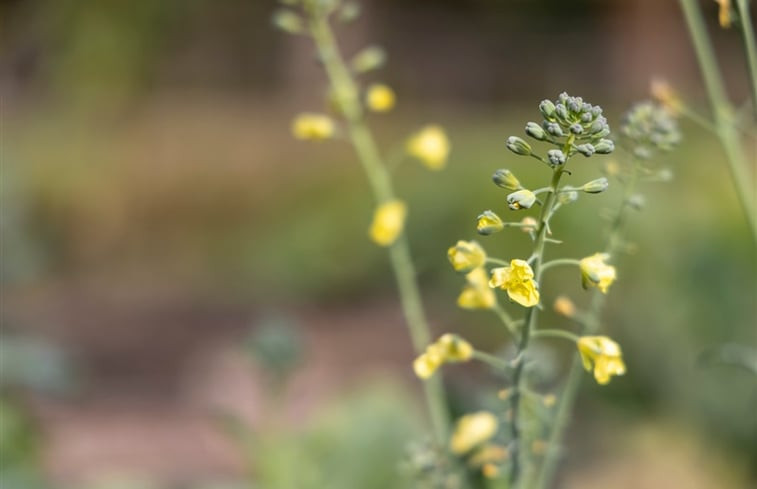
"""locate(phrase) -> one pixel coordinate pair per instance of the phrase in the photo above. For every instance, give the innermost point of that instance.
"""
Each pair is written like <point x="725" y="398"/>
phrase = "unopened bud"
<point x="288" y="21"/>
<point x="349" y="12"/>
<point x="547" y="109"/>
<point x="564" y="307"/>
<point x="535" y="131"/>
<point x="556" y="157"/>
<point x="554" y="129"/>
<point x="561" y="112"/>
<point x="522" y="199"/>
<point x="604" y="146"/>
<point x="567" y="197"/>
<point x="505" y="179"/>
<point x="368" y="59"/>
<point x="596" y="186"/>
<point x="577" y="129"/>
<point x="518" y="146"/>
<point x="489" y="223"/>
<point x="586" y="149"/>
<point x="529" y="224"/>
<point x="636" y="201"/>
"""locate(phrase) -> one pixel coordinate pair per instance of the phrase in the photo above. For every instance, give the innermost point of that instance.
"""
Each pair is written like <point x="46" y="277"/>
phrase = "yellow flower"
<point x="724" y="15"/>
<point x="518" y="280"/>
<point x="466" y="255"/>
<point x="489" y="223"/>
<point x="430" y="145"/>
<point x="666" y="96"/>
<point x="312" y="127"/>
<point x="603" y="355"/>
<point x="388" y="222"/>
<point x="472" y="430"/>
<point x="564" y="307"/>
<point x="596" y="273"/>
<point x="380" y="98"/>
<point x="476" y="293"/>
<point x="449" y="348"/>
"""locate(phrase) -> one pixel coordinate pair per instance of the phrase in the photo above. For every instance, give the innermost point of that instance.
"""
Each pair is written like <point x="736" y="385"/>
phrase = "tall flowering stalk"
<point x="350" y="100"/>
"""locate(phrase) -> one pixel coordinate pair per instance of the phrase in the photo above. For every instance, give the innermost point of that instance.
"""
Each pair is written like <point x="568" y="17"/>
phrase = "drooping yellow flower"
<point x="666" y="96"/>
<point x="466" y="255"/>
<point x="489" y="223"/>
<point x="724" y="14"/>
<point x="388" y="222"/>
<point x="476" y="293"/>
<point x="449" y="348"/>
<point x="380" y="98"/>
<point x="603" y="355"/>
<point x="596" y="273"/>
<point x="518" y="280"/>
<point x="313" y="127"/>
<point x="564" y="307"/>
<point x="431" y="146"/>
<point x="472" y="430"/>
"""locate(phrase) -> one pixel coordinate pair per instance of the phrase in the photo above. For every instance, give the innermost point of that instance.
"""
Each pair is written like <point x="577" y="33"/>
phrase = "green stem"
<point x="507" y="321"/>
<point x="530" y="323"/>
<point x="497" y="261"/>
<point x="590" y="322"/>
<point x="560" y="262"/>
<point x="554" y="333"/>
<point x="346" y="91"/>
<point x="722" y="110"/>
<point x="492" y="360"/>
<point x="749" y="46"/>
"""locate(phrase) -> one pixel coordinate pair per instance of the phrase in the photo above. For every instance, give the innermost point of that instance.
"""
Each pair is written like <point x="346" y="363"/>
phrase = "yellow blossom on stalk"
<point x="431" y="146"/>
<point x="565" y="307"/>
<point x="313" y="127"/>
<point x="472" y="430"/>
<point x="476" y="293"/>
<point x="596" y="273"/>
<point x="603" y="355"/>
<point x="518" y="280"/>
<point x="466" y="255"/>
<point x="666" y="96"/>
<point x="489" y="223"/>
<point x="724" y="14"/>
<point x="380" y="98"/>
<point x="388" y="222"/>
<point x="449" y="348"/>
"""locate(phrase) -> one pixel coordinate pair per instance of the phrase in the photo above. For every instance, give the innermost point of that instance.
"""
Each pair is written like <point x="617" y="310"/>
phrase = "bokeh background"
<point x="189" y="297"/>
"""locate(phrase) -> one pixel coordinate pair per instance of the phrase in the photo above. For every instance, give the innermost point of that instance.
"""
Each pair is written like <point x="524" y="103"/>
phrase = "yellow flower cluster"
<point x="431" y="146"/>
<point x="596" y="273"/>
<point x="380" y="98"/>
<point x="449" y="348"/>
<point x="518" y="280"/>
<point x="472" y="430"/>
<point x="313" y="127"/>
<point x="466" y="255"/>
<point x="388" y="222"/>
<point x="476" y="293"/>
<point x="603" y="355"/>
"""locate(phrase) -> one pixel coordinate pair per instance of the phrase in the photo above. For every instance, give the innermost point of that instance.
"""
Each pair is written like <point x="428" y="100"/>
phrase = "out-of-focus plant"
<point x="508" y="447"/>
<point x="727" y="122"/>
<point x="349" y="99"/>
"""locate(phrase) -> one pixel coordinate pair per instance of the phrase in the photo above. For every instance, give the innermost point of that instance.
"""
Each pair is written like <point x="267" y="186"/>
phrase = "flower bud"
<point x="388" y="222"/>
<point x="564" y="307"/>
<point x="518" y="146"/>
<point x="522" y="199"/>
<point x="567" y="197"/>
<point x="636" y="201"/>
<point x="586" y="149"/>
<point x="535" y="131"/>
<point x="313" y="127"/>
<point x="577" y="129"/>
<point x="547" y="109"/>
<point x="431" y="146"/>
<point x="349" y="12"/>
<point x="556" y="157"/>
<point x="604" y="146"/>
<point x="554" y="129"/>
<point x="596" y="186"/>
<point x="505" y="179"/>
<point x="529" y="224"/>
<point x="379" y="98"/>
<point x="369" y="59"/>
<point x="561" y="112"/>
<point x="466" y="255"/>
<point x="489" y="223"/>
<point x="288" y="21"/>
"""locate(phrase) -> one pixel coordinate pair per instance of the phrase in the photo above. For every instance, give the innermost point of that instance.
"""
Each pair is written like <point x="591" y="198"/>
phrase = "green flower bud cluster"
<point x="572" y="125"/>
<point x="650" y="128"/>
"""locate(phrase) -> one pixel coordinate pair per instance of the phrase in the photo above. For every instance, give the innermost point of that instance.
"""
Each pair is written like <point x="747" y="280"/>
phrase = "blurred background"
<point x="189" y="297"/>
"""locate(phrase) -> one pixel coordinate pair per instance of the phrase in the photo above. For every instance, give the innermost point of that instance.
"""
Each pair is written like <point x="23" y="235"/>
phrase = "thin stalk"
<point x="747" y="32"/>
<point x="529" y="324"/>
<point x="346" y="90"/>
<point x="554" y="333"/>
<point x="492" y="360"/>
<point x="722" y="110"/>
<point x="590" y="322"/>
<point x="507" y="321"/>
<point x="560" y="262"/>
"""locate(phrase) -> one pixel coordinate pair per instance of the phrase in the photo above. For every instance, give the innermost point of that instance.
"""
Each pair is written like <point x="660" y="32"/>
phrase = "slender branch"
<point x="747" y="32"/>
<point x="722" y="111"/>
<point x="560" y="262"/>
<point x="554" y="333"/>
<point x="497" y="261"/>
<point x="492" y="360"/>
<point x="346" y="91"/>
<point x="507" y="321"/>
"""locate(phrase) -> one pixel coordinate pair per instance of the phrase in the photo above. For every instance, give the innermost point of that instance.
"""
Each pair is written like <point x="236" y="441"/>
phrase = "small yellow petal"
<point x="564" y="307"/>
<point x="380" y="98"/>
<point x="466" y="255"/>
<point x="431" y="146"/>
<point x="472" y="430"/>
<point x="388" y="222"/>
<point x="603" y="355"/>
<point x="313" y="127"/>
